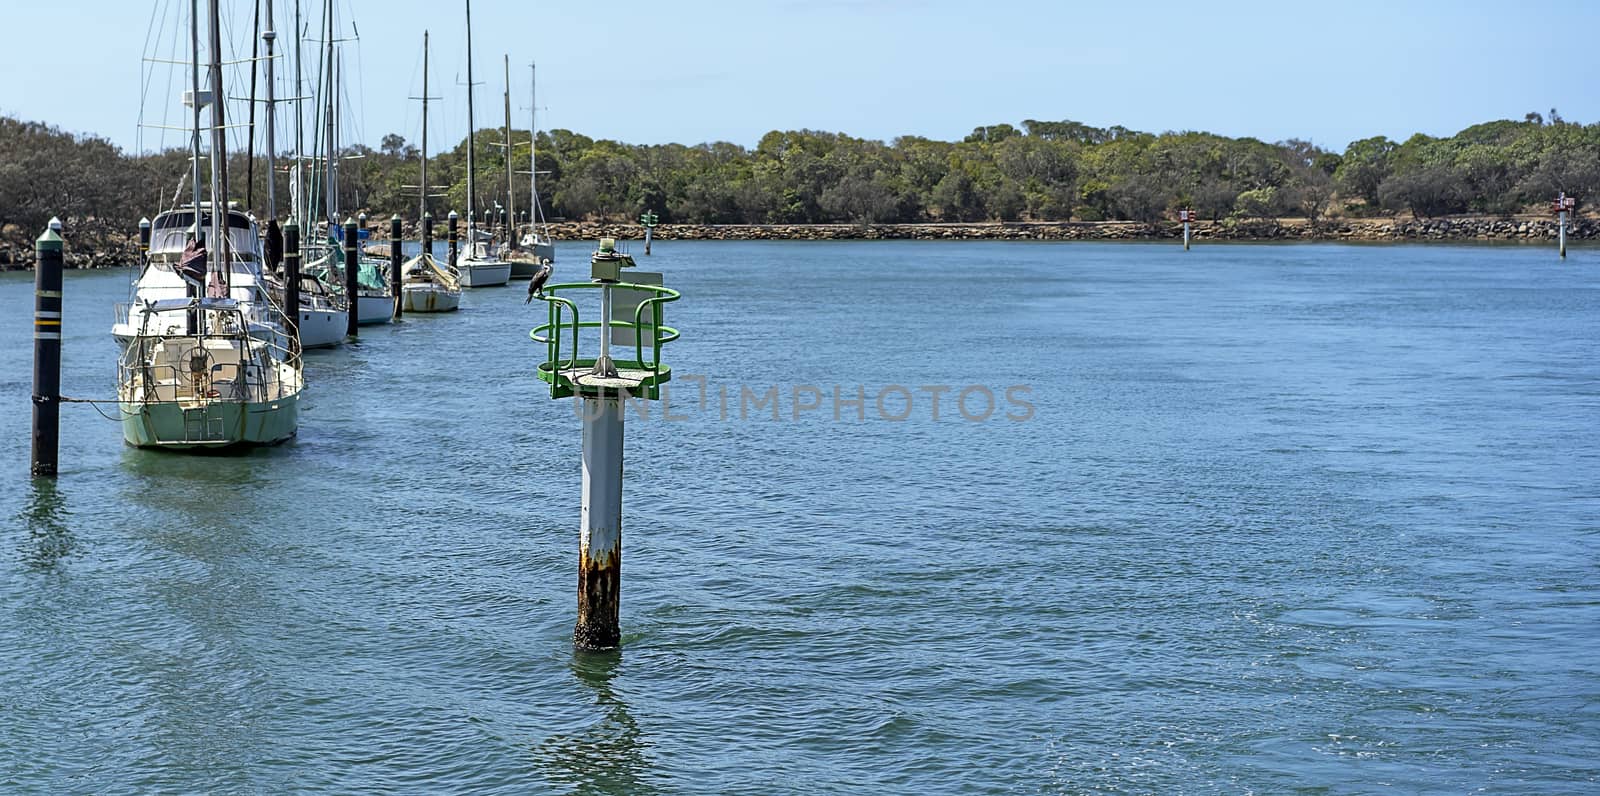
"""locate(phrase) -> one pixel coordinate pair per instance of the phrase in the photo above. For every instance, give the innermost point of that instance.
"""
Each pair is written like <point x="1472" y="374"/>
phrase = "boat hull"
<point x="523" y="268"/>
<point x="484" y="274"/>
<point x="375" y="309"/>
<point x="431" y="298"/>
<point x="212" y="425"/>
<point x="525" y="261"/>
<point x="322" y="328"/>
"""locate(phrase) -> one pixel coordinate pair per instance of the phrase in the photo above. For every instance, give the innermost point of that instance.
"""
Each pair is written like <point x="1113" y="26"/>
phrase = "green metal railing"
<point x="555" y="368"/>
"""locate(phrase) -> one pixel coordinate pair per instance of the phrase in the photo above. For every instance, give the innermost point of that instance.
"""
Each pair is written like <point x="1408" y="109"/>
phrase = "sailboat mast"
<point x="250" y="127"/>
<point x="194" y="101"/>
<point x="219" y="154"/>
<point x="424" y="125"/>
<point x="337" y="115"/>
<point x="472" y="214"/>
<point x="511" y="204"/>
<point x="268" y="36"/>
<point x="533" y="145"/>
<point x="300" y="210"/>
<point x="328" y="201"/>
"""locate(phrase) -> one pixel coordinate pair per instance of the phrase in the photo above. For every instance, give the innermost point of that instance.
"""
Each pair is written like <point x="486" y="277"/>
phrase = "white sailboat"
<point x="206" y="360"/>
<point x="425" y="285"/>
<point x="536" y="244"/>
<point x="325" y="306"/>
<point x="480" y="264"/>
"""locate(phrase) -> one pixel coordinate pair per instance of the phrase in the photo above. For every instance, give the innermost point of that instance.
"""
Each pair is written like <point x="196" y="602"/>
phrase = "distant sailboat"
<point x="373" y="302"/>
<point x="480" y="265"/>
<point x="536" y="246"/>
<point x="324" y="309"/>
<point x="425" y="285"/>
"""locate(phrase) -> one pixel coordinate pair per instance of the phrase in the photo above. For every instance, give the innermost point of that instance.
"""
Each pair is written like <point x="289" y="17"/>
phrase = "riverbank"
<point x="95" y="247"/>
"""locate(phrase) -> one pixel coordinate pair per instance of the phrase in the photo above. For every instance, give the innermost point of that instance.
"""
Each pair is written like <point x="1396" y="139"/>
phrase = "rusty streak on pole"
<point x="352" y="288"/>
<point x="394" y="264"/>
<point x="600" y="541"/>
<point x="47" y="353"/>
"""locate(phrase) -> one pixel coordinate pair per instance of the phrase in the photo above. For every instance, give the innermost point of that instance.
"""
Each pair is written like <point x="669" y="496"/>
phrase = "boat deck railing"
<point x="256" y="375"/>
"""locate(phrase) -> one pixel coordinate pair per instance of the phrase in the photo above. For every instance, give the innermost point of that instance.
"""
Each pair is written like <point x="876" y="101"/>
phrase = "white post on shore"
<point x="1563" y="205"/>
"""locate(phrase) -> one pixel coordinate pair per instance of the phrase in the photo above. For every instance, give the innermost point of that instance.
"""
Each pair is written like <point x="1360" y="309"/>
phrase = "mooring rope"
<point x="95" y="402"/>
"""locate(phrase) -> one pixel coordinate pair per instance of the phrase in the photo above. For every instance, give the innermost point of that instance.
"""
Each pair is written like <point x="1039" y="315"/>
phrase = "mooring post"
<point x="394" y="263"/>
<point x="427" y="234"/>
<point x="454" y="237"/>
<point x="48" y="258"/>
<point x="1186" y="216"/>
<point x="352" y="263"/>
<point x="291" y="277"/>
<point x="1563" y="234"/>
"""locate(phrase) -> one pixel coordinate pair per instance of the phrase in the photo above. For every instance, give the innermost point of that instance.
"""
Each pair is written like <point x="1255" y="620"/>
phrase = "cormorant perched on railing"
<point x="536" y="284"/>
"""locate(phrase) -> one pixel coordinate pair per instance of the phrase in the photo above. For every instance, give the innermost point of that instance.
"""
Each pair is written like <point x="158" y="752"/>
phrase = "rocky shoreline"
<point x="96" y="247"/>
<point x="1529" y="228"/>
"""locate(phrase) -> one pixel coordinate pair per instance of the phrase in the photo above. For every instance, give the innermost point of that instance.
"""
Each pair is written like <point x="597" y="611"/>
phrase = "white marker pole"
<point x="600" y="541"/>
<point x="1563" y="234"/>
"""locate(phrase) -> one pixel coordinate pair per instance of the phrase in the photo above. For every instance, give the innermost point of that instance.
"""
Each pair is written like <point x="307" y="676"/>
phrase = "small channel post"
<point x="1563" y="205"/>
<point x="352" y="263"/>
<point x="48" y="263"/>
<point x="454" y="236"/>
<point x="1187" y="217"/>
<point x="649" y="222"/>
<point x="291" y="277"/>
<point x="394" y="264"/>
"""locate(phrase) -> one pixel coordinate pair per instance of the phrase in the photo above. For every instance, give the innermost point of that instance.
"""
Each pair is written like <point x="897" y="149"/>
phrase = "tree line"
<point x="1043" y="171"/>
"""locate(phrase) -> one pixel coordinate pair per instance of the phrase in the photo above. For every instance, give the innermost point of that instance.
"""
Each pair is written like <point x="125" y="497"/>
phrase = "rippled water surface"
<point x="1312" y="517"/>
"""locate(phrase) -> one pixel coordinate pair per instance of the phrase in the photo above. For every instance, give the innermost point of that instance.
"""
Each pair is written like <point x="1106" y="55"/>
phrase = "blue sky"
<point x="701" y="70"/>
